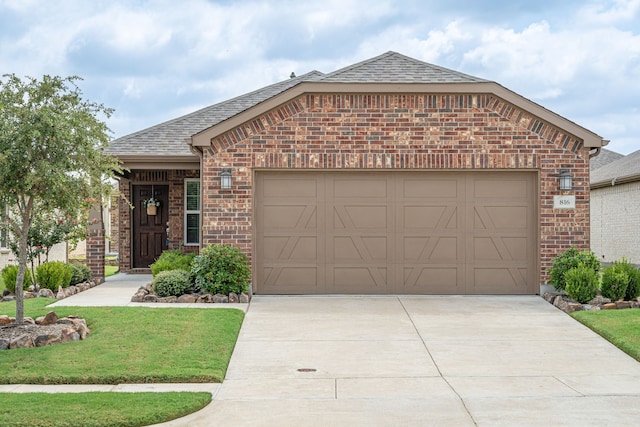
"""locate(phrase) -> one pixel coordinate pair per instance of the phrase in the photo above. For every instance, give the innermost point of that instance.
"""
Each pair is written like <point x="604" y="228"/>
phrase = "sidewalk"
<point x="117" y="291"/>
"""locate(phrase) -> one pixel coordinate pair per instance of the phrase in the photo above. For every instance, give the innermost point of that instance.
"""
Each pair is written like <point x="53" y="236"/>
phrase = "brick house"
<point x="388" y="176"/>
<point x="615" y="208"/>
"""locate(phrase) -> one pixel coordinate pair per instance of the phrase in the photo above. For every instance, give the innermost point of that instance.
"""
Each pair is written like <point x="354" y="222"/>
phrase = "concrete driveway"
<point x="420" y="361"/>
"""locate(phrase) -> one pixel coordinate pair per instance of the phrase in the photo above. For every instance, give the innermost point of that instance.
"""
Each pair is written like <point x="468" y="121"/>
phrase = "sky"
<point x="154" y="60"/>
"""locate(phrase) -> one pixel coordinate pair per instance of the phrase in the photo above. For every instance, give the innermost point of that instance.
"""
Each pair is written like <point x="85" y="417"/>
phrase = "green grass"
<point x="97" y="409"/>
<point x="620" y="327"/>
<point x="128" y="345"/>
<point x="110" y="270"/>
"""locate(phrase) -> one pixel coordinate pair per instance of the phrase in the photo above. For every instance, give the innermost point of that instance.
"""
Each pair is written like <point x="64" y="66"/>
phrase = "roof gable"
<point x="392" y="67"/>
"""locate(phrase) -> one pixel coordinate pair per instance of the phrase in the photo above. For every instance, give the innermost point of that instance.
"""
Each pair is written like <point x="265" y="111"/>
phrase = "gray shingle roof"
<point x="625" y="167"/>
<point x="392" y="67"/>
<point x="604" y="158"/>
<point x="168" y="138"/>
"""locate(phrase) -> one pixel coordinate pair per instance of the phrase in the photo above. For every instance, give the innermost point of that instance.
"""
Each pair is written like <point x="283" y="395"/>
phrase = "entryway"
<point x="149" y="230"/>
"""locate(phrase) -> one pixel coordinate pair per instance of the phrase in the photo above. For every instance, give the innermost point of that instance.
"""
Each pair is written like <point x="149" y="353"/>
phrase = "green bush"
<point x="221" y="269"/>
<point x="581" y="284"/>
<point x="10" y="275"/>
<point x="53" y="274"/>
<point x="614" y="283"/>
<point x="172" y="260"/>
<point x="633" y="286"/>
<point x="569" y="259"/>
<point x="172" y="282"/>
<point x="79" y="273"/>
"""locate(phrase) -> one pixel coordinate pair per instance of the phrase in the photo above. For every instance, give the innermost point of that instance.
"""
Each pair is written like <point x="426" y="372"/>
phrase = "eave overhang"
<point x="159" y="162"/>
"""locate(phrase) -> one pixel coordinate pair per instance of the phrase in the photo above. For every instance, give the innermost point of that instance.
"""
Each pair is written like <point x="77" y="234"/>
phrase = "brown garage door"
<point x="396" y="232"/>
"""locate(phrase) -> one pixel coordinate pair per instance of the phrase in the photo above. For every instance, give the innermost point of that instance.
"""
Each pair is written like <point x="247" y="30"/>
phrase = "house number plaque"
<point x="564" y="202"/>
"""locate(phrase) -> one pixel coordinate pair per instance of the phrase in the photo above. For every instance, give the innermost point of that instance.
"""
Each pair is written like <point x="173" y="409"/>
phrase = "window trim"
<point x="191" y="212"/>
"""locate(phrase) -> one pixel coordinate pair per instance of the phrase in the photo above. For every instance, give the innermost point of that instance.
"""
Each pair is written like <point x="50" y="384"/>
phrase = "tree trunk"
<point x="22" y="260"/>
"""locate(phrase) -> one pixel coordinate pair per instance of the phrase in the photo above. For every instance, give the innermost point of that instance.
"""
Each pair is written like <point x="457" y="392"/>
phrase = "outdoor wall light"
<point x="566" y="182"/>
<point x="225" y="179"/>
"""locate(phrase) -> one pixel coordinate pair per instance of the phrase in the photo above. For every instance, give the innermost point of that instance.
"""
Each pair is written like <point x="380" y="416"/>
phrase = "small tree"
<point x="52" y="159"/>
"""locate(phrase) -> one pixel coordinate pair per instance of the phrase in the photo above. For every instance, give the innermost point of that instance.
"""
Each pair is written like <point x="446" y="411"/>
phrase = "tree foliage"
<point x="52" y="158"/>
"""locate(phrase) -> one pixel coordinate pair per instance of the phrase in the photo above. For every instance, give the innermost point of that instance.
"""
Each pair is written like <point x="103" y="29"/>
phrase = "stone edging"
<point x="45" y="330"/>
<point x="61" y="294"/>
<point x="146" y="294"/>
<point x="566" y="304"/>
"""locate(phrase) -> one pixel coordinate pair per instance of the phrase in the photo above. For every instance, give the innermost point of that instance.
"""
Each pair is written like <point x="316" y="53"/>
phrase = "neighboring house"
<point x="57" y="253"/>
<point x="615" y="209"/>
<point x="391" y="175"/>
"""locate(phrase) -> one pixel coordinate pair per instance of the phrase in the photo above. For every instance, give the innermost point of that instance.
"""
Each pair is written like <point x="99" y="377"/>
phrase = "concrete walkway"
<point x="402" y="361"/>
<point x="117" y="291"/>
<point x="420" y="361"/>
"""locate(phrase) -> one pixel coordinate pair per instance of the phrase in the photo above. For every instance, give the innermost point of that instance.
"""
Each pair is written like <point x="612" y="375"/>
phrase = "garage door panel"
<point x="374" y="186"/>
<point x="510" y="188"/>
<point x="360" y="248"/>
<point x="292" y="278"/>
<point x="301" y="188"/>
<point x="361" y="279"/>
<point x="429" y="217"/>
<point x="358" y="217"/>
<point x="493" y="280"/>
<point x="420" y="279"/>
<point x="433" y="189"/>
<point x="430" y="248"/>
<point x="502" y="217"/>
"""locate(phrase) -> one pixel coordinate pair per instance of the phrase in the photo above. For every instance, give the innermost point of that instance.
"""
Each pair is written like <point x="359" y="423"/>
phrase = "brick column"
<point x="95" y="249"/>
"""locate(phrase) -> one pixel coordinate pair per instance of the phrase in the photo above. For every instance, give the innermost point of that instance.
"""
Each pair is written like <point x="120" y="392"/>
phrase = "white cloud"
<point x="609" y="12"/>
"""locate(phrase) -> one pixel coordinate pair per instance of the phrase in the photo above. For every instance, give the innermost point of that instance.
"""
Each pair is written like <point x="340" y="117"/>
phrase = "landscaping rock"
<point x="233" y="298"/>
<point x="573" y="306"/>
<point x="60" y="294"/>
<point x="28" y="295"/>
<point x="49" y="319"/>
<point x="46" y="293"/>
<point x="5" y="320"/>
<point x="8" y="298"/>
<point x="220" y="299"/>
<point x="187" y="298"/>
<point x="23" y="341"/>
<point x="623" y="304"/>
<point x="206" y="298"/>
<point x="69" y="335"/>
<point x="48" y="339"/>
<point x="4" y="344"/>
<point x="29" y="320"/>
<point x="609" y="306"/>
<point x="244" y="298"/>
<point x="167" y="299"/>
<point x="150" y="298"/>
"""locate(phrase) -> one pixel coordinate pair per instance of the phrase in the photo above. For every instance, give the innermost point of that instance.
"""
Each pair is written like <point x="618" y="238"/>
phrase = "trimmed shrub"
<point x="581" y="284"/>
<point x="633" y="287"/>
<point x="79" y="273"/>
<point x="614" y="283"/>
<point x="172" y="260"/>
<point x="567" y="260"/>
<point x="172" y="283"/>
<point x="221" y="269"/>
<point x="53" y="274"/>
<point x="10" y="276"/>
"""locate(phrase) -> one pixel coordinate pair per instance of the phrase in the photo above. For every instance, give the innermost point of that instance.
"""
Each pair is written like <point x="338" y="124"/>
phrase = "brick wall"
<point x="418" y="132"/>
<point x="175" y="180"/>
<point x="612" y="210"/>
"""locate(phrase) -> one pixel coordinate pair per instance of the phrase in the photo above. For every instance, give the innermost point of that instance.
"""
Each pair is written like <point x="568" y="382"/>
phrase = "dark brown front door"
<point x="149" y="231"/>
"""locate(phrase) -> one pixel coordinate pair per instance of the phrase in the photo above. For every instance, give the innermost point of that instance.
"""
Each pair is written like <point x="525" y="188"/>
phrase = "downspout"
<point x="198" y="152"/>
<point x="596" y="151"/>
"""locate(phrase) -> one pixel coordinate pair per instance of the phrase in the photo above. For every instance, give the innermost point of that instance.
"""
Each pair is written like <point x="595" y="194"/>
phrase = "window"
<point x="191" y="212"/>
<point x="3" y="231"/>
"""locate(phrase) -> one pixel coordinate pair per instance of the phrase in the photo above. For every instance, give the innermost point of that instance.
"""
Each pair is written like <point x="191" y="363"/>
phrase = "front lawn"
<point x="128" y="345"/>
<point x="97" y="409"/>
<point x="620" y="327"/>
